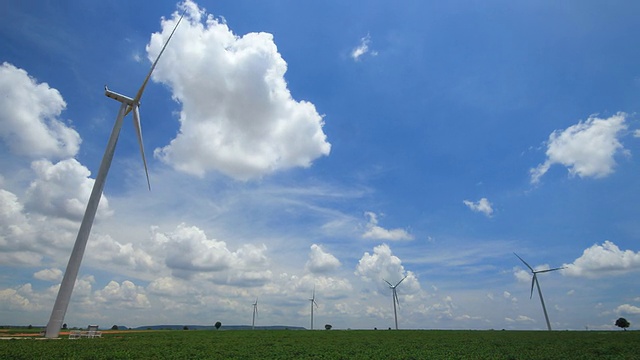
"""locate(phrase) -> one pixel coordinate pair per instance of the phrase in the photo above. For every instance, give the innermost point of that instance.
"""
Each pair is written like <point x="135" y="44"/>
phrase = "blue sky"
<point x="294" y="145"/>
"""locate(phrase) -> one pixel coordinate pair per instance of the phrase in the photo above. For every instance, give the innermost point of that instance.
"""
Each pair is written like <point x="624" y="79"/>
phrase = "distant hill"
<point x="211" y="327"/>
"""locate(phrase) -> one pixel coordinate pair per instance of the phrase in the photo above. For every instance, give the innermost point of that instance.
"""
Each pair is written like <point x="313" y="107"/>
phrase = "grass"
<point x="334" y="344"/>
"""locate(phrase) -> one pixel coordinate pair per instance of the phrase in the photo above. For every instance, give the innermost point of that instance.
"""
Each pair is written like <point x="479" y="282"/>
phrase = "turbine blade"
<point x="136" y="123"/>
<point x="533" y="280"/>
<point x="391" y="286"/>
<point x="530" y="268"/>
<point x="544" y="271"/>
<point x="136" y="100"/>
<point x="401" y="280"/>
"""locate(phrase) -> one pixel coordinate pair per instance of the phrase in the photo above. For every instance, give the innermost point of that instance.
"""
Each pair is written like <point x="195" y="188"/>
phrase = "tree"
<point x="623" y="323"/>
<point x="185" y="327"/>
<point x="328" y="327"/>
<point x="64" y="326"/>
<point x="217" y="325"/>
<point x="114" y="327"/>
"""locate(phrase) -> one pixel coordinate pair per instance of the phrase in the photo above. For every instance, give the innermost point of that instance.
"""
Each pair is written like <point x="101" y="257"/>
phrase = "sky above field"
<point x="301" y="145"/>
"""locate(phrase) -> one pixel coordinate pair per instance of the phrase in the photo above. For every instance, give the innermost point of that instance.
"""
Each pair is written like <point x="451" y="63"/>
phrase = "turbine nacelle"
<point x="396" y="285"/>
<point x="118" y="97"/>
<point x="313" y="297"/>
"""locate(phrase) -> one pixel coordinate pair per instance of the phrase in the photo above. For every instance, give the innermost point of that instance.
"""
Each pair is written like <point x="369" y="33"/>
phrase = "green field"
<point x="333" y="344"/>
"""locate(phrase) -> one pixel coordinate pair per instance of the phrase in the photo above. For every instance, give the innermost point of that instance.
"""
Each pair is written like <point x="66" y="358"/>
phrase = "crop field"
<point x="332" y="344"/>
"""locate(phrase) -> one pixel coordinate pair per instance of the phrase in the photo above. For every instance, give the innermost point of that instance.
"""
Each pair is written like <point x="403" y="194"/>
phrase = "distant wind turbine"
<point x="71" y="273"/>
<point x="534" y="280"/>
<point x="313" y="302"/>
<point x="394" y="298"/>
<point x="255" y="312"/>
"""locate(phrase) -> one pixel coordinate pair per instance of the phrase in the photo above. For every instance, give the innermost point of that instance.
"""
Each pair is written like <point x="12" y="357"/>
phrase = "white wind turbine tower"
<point x="313" y="302"/>
<point x="255" y="312"/>
<point x="534" y="280"/>
<point x="394" y="298"/>
<point x="71" y="273"/>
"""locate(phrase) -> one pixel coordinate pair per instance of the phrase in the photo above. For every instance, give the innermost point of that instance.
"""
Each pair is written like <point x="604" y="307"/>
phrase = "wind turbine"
<point x="394" y="298"/>
<point x="255" y="312"/>
<point x="534" y="280"/>
<point x="71" y="273"/>
<point x="313" y="302"/>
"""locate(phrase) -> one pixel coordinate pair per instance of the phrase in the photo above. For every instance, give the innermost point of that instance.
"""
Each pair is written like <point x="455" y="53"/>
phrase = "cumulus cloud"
<point x="62" y="190"/>
<point x="13" y="223"/>
<point x="17" y="299"/>
<point x="167" y="286"/>
<point x="383" y="265"/>
<point x="20" y="234"/>
<point x="238" y="117"/>
<point x="521" y="275"/>
<point x="636" y="133"/>
<point x="125" y="295"/>
<point x="29" y="112"/>
<point x="604" y="260"/>
<point x="375" y="232"/>
<point x="321" y="261"/>
<point x="587" y="149"/>
<point x="628" y="309"/>
<point x="189" y="251"/>
<point x="105" y="249"/>
<point x="482" y="206"/>
<point x="52" y="274"/>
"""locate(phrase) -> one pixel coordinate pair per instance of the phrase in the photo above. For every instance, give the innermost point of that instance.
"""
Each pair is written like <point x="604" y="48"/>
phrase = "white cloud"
<point x="167" y="286"/>
<point x="13" y="222"/>
<point x="125" y="295"/>
<point x="321" y="261"/>
<point x="587" y="149"/>
<point x="362" y="48"/>
<point x="383" y="265"/>
<point x="376" y="232"/>
<point x="17" y="299"/>
<point x="636" y="133"/>
<point x="189" y="252"/>
<point x="62" y="190"/>
<point x="189" y="249"/>
<point x="238" y="117"/>
<point x="103" y="248"/>
<point x="29" y="112"/>
<point x="628" y="309"/>
<point x="52" y="274"/>
<point x="521" y="275"/>
<point x="604" y="260"/>
<point x="19" y="233"/>
<point x="482" y="206"/>
<point x="520" y="318"/>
